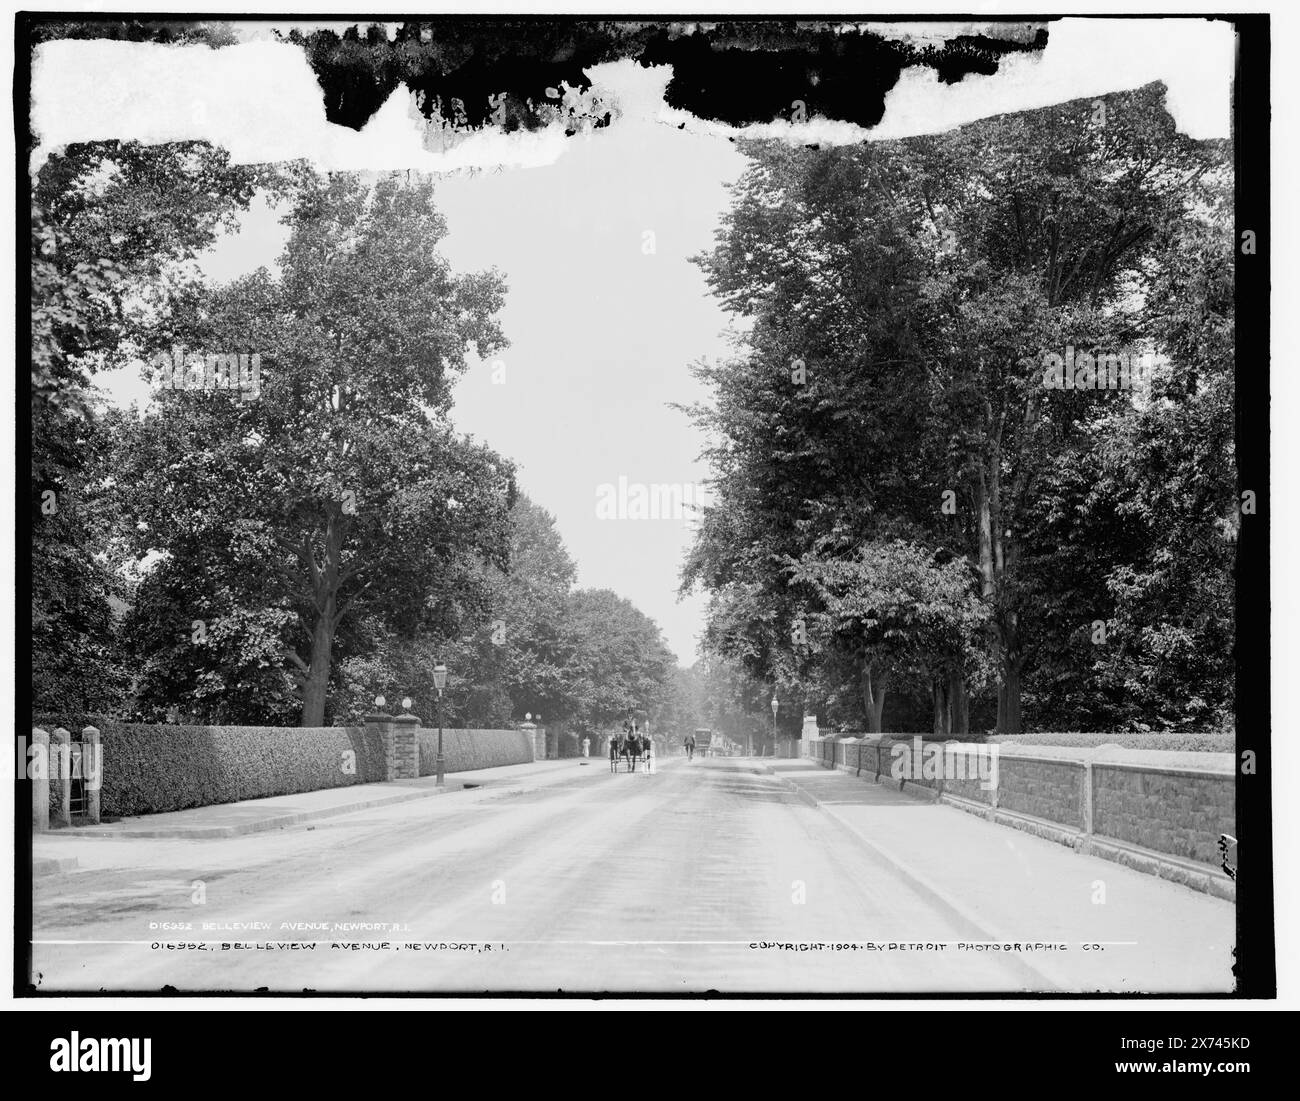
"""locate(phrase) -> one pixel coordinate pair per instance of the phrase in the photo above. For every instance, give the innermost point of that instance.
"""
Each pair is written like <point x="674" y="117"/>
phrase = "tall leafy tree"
<point x="894" y="605"/>
<point x="113" y="225"/>
<point x="816" y="421"/>
<point x="504" y="653"/>
<point x="901" y="299"/>
<point x="1156" y="511"/>
<point x="334" y="472"/>
<point x="616" y="661"/>
<point x="1052" y="217"/>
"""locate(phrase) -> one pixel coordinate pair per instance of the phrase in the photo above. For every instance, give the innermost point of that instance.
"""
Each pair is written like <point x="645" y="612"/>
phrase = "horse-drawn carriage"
<point x="632" y="747"/>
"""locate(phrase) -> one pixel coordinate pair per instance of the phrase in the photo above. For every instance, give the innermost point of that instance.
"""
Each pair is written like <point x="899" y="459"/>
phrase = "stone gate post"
<point x="536" y="741"/>
<point x="61" y="772"/>
<point x="808" y="735"/>
<point x="38" y="769"/>
<point x="406" y="747"/>
<point x="92" y="770"/>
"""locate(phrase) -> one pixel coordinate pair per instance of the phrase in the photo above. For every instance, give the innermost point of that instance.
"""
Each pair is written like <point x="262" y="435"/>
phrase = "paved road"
<point x="573" y="880"/>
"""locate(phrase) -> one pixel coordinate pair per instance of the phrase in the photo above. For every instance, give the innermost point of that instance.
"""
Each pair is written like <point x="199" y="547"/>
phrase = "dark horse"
<point x="615" y="752"/>
<point x="632" y="751"/>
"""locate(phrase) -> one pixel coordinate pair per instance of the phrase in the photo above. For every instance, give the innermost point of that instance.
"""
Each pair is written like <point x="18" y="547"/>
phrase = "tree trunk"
<point x="997" y="569"/>
<point x="877" y="717"/>
<point x="1009" y="699"/>
<point x="985" y="533"/>
<point x="873" y="699"/>
<point x="942" y="707"/>
<point x="1010" y="659"/>
<point x="958" y="704"/>
<point x="325" y="594"/>
<point x="315" y="687"/>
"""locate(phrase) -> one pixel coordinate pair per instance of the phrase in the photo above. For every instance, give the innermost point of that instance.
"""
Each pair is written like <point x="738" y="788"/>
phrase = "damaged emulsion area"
<point x="509" y="72"/>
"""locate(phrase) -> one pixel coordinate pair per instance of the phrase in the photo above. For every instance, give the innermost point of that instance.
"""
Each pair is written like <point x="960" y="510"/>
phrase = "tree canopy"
<point x="887" y="402"/>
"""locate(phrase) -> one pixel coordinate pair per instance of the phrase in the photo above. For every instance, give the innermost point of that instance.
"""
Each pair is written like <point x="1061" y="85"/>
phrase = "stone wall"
<point x="1042" y="788"/>
<point x="1195" y="809"/>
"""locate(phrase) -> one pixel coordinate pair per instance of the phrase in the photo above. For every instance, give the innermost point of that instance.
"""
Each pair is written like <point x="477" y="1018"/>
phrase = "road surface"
<point x="712" y="875"/>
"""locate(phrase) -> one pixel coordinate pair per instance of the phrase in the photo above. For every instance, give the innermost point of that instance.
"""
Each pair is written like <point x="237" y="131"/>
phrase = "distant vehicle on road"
<point x="703" y="739"/>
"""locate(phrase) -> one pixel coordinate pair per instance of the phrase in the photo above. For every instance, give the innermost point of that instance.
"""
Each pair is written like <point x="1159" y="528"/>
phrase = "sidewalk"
<point x="256" y="815"/>
<point x="1021" y="888"/>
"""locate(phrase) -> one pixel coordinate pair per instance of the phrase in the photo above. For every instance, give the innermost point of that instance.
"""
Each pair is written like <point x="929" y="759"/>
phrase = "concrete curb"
<point x="52" y="865"/>
<point x="1189" y="875"/>
<point x="1037" y="981"/>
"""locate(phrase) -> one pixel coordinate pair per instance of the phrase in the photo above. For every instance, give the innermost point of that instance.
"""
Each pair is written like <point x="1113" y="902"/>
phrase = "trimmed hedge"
<point x="464" y="750"/>
<point x="148" y="769"/>
<point x="1185" y="743"/>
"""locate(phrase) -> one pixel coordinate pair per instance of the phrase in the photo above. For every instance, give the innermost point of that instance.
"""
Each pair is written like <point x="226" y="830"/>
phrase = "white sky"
<point x="601" y="333"/>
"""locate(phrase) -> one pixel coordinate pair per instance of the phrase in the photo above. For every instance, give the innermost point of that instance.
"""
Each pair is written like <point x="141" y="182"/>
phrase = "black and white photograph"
<point x="727" y="506"/>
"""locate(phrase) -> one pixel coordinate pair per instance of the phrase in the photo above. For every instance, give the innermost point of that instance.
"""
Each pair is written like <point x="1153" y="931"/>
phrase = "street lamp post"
<point x="775" y="705"/>
<point x="440" y="682"/>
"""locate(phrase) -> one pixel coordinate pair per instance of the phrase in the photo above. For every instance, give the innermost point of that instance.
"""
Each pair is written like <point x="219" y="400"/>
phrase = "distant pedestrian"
<point x="586" y="747"/>
<point x="649" y="754"/>
<point x="689" y="745"/>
